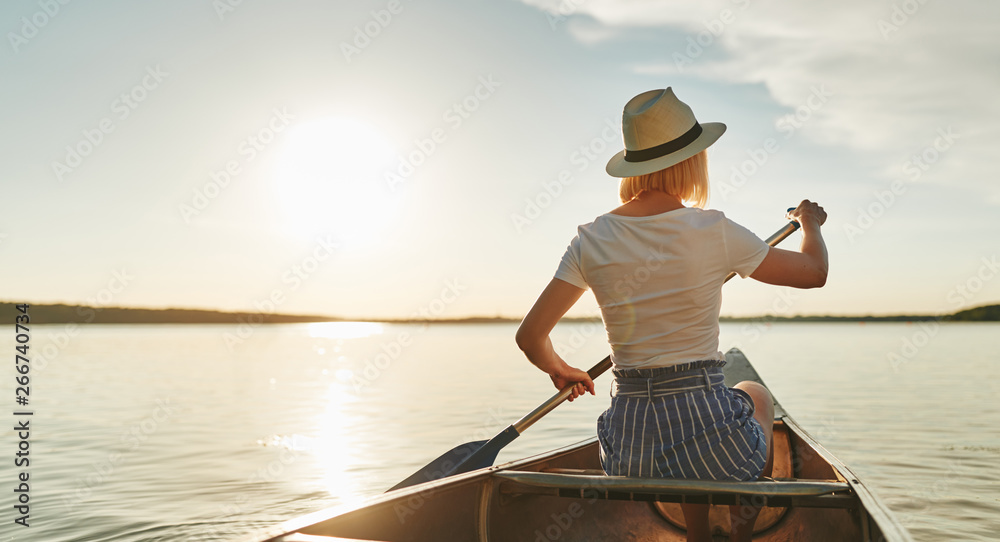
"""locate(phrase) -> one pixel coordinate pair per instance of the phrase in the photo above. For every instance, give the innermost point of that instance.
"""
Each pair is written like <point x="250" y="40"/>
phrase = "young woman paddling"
<point x="656" y="268"/>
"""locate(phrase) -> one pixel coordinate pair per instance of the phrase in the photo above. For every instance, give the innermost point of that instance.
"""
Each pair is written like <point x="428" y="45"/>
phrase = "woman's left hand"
<point x="570" y="375"/>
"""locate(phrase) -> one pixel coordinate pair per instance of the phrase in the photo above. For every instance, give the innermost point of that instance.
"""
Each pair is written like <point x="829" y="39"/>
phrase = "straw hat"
<point x="659" y="131"/>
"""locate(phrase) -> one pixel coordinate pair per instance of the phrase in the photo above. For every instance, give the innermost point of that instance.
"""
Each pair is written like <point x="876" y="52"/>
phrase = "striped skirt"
<point x="680" y="422"/>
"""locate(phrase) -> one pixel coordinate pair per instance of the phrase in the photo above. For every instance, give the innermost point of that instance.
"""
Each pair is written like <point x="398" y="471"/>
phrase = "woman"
<point x="656" y="268"/>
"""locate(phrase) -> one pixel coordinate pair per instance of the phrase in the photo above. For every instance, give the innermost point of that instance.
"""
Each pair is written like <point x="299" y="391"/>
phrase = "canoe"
<point x="563" y="495"/>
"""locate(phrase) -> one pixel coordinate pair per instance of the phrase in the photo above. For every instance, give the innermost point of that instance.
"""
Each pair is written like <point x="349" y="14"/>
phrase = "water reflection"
<point x="344" y="330"/>
<point x="285" y="425"/>
<point x="336" y="454"/>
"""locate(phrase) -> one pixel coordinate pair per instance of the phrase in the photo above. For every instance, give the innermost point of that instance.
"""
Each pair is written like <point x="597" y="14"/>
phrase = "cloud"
<point x="900" y="71"/>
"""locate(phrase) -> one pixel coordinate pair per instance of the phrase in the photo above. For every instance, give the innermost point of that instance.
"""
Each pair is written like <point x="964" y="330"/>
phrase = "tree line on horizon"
<point x="82" y="314"/>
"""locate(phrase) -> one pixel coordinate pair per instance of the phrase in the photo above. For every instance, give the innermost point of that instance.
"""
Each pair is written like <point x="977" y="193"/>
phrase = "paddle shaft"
<point x="597" y="370"/>
<point x="557" y="399"/>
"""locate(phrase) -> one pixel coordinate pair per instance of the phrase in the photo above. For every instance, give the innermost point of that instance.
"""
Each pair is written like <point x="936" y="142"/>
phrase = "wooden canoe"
<point x="563" y="495"/>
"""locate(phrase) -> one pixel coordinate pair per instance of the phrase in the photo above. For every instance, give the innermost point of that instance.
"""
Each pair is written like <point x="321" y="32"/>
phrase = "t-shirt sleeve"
<point x="744" y="249"/>
<point x="569" y="267"/>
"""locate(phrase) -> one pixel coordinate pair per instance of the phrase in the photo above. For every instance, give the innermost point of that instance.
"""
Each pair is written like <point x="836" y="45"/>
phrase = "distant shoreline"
<point x="81" y="314"/>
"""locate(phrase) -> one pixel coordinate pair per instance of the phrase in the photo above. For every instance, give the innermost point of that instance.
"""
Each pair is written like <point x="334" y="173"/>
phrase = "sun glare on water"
<point x="336" y="448"/>
<point x="343" y="330"/>
<point x="329" y="179"/>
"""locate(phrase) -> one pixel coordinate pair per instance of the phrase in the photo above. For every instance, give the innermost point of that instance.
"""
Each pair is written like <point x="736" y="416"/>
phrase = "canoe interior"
<point x="480" y="506"/>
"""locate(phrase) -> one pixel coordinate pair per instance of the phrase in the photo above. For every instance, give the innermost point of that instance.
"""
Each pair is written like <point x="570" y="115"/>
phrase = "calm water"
<point x="145" y="433"/>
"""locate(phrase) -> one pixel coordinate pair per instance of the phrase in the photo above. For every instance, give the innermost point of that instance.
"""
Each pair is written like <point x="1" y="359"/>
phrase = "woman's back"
<point x="658" y="280"/>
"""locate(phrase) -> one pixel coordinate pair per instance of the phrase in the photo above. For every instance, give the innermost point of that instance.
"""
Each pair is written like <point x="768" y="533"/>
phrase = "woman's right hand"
<point x="808" y="211"/>
<point x="807" y="268"/>
<point x="567" y="375"/>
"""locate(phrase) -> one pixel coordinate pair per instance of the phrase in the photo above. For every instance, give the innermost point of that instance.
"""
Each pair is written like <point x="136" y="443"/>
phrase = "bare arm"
<point x="807" y="268"/>
<point x="533" y="336"/>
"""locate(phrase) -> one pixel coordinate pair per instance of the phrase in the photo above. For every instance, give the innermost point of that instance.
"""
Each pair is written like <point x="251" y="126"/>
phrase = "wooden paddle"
<point x="481" y="453"/>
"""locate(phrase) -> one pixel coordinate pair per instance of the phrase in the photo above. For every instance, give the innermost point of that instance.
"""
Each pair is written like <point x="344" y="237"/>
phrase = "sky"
<point x="426" y="158"/>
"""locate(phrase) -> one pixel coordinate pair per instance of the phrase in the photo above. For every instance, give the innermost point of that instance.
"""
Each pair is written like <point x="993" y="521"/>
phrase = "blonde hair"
<point x="688" y="180"/>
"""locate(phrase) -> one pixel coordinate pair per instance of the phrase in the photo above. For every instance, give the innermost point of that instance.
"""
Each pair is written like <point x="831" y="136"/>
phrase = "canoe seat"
<point x="779" y="493"/>
<point x="718" y="516"/>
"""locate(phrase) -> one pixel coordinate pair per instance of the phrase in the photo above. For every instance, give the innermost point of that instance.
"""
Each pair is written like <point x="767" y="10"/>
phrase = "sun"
<point x="329" y="179"/>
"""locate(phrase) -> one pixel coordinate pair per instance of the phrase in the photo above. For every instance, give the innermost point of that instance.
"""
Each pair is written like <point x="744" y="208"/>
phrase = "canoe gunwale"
<point x="421" y="490"/>
<point x="478" y="477"/>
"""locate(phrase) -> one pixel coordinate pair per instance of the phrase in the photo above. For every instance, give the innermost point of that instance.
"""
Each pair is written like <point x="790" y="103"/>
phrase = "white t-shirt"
<point x="658" y="280"/>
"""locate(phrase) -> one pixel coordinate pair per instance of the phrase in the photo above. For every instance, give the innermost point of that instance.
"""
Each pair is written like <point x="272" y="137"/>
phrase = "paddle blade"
<point x="443" y="465"/>
<point x="465" y="458"/>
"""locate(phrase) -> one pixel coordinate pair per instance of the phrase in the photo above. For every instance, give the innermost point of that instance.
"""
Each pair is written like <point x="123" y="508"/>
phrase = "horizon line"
<point x="465" y="318"/>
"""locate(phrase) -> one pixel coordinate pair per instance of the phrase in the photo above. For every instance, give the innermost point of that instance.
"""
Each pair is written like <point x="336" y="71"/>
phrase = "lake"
<point x="193" y="432"/>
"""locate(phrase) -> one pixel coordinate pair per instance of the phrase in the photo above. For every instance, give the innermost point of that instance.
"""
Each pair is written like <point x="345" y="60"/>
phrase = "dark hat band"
<point x="673" y="145"/>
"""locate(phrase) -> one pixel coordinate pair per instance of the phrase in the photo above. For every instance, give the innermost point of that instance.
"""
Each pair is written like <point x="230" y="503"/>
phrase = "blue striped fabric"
<point x="680" y="422"/>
